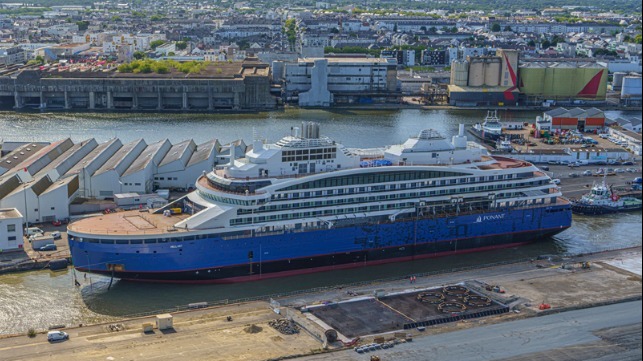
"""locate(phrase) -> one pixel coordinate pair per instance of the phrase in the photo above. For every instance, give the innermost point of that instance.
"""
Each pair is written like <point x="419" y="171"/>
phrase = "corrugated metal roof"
<point x="41" y="185"/>
<point x="145" y="157"/>
<point x="9" y="185"/>
<point x="118" y="157"/>
<point x="90" y="156"/>
<point x="177" y="151"/>
<point x="203" y="152"/>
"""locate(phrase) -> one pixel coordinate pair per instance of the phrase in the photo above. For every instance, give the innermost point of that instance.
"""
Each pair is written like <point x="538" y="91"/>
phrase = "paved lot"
<point x="602" y="333"/>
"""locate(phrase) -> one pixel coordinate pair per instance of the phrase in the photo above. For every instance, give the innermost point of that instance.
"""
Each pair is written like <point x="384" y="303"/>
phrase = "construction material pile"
<point x="287" y="327"/>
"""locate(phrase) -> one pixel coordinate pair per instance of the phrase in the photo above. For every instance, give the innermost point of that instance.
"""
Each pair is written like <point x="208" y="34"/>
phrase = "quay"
<point x="242" y="331"/>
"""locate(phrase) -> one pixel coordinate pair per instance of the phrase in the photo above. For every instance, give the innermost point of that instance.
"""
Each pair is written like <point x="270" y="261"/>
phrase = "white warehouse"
<point x="41" y="180"/>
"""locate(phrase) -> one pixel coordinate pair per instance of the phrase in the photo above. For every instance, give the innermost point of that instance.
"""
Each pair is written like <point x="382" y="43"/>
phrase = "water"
<point x="41" y="299"/>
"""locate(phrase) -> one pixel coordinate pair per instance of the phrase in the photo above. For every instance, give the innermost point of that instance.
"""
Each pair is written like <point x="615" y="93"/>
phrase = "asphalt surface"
<point x="602" y="333"/>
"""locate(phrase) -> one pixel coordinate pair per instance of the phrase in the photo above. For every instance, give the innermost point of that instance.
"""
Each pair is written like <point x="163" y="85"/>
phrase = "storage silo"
<point x="617" y="82"/>
<point x="492" y="71"/>
<point x="631" y="87"/>
<point x="476" y="72"/>
<point x="459" y="72"/>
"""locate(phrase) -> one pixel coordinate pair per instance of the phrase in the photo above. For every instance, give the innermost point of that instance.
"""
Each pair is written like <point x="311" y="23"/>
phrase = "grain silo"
<point x="617" y="82"/>
<point x="459" y="72"/>
<point x="476" y="71"/>
<point x="492" y="71"/>
<point x="631" y="87"/>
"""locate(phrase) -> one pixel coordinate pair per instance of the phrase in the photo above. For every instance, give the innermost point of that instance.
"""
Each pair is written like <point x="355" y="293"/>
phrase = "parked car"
<point x="628" y="163"/>
<point x="553" y="162"/>
<point x="574" y="175"/>
<point x="637" y="180"/>
<point x="555" y="181"/>
<point x="53" y="336"/>
<point x="544" y="167"/>
<point x="619" y="170"/>
<point x="573" y="165"/>
<point x="57" y="223"/>
<point x="56" y="235"/>
<point x="48" y="247"/>
<point x="587" y="173"/>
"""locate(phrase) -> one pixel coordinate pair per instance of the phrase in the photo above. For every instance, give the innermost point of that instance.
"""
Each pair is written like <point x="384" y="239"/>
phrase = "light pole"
<point x="24" y="193"/>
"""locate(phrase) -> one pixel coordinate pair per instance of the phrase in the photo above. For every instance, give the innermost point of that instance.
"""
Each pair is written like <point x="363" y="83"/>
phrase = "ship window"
<point x="150" y="241"/>
<point x="107" y="241"/>
<point x="136" y="241"/>
<point x="122" y="241"/>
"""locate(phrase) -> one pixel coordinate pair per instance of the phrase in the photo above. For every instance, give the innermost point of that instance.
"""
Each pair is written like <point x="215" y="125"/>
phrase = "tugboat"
<point x="602" y="200"/>
<point x="504" y="145"/>
<point x="490" y="130"/>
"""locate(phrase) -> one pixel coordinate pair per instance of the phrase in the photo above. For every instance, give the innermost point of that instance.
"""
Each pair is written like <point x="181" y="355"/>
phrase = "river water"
<point x="42" y="298"/>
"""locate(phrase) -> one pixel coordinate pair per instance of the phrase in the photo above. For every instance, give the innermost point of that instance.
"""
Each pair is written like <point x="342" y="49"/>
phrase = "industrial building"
<point x="631" y="91"/>
<point x="321" y="82"/>
<point x="236" y="85"/>
<point x="11" y="236"/>
<point x="485" y="80"/>
<point x="576" y="118"/>
<point x="562" y="81"/>
<point x="41" y="181"/>
<point x="502" y="80"/>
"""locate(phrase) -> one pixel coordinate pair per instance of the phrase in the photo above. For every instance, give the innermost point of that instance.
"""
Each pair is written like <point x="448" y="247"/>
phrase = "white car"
<point x="53" y="336"/>
<point x="555" y="181"/>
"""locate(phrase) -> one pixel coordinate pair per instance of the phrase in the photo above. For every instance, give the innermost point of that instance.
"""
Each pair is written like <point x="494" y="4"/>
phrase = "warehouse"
<point x="562" y="81"/>
<point x="576" y="119"/>
<point x="41" y="181"/>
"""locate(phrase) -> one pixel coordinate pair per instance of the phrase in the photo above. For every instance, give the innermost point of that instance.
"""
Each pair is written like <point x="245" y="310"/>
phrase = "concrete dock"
<point x="208" y="334"/>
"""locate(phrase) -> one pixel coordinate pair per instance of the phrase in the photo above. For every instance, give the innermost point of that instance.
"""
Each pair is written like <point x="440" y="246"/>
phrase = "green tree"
<point x="545" y="44"/>
<point x="82" y="25"/>
<point x="181" y="45"/>
<point x="138" y="55"/>
<point x="507" y="28"/>
<point x="156" y="43"/>
<point x="495" y="27"/>
<point x="116" y="18"/>
<point x="531" y="43"/>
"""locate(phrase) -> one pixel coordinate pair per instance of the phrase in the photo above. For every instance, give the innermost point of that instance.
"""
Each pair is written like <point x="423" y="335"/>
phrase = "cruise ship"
<point x="307" y="203"/>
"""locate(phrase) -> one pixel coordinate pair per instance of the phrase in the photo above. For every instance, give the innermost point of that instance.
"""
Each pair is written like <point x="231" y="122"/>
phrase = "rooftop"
<point x="9" y="213"/>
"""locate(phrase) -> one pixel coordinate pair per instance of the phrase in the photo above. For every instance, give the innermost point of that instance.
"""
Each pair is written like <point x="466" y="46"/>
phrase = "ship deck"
<point x="128" y="223"/>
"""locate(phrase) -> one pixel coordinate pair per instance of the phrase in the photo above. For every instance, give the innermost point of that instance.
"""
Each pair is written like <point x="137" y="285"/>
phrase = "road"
<point x="602" y="333"/>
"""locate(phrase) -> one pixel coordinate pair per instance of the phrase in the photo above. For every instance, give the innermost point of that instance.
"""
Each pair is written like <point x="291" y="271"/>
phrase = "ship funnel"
<point x="460" y="140"/>
<point x="310" y="130"/>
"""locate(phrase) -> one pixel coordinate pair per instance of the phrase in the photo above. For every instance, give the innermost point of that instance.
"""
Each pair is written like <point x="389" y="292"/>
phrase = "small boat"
<point x="490" y="129"/>
<point x="602" y="200"/>
<point x="504" y="145"/>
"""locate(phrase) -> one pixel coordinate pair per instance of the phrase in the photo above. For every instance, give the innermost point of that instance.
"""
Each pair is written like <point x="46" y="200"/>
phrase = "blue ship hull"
<point x="215" y="259"/>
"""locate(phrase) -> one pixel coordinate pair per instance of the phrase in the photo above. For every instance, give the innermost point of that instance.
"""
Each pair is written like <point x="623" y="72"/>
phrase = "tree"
<point x="82" y="25"/>
<point x="116" y="18"/>
<point x="433" y="30"/>
<point x="454" y="29"/>
<point x="156" y="43"/>
<point x="507" y="28"/>
<point x="181" y="45"/>
<point x="531" y="43"/>
<point x="395" y="28"/>
<point x="138" y="55"/>
<point x="545" y="44"/>
<point x="495" y="27"/>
